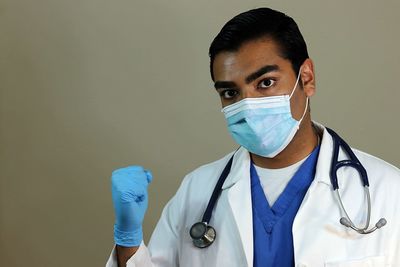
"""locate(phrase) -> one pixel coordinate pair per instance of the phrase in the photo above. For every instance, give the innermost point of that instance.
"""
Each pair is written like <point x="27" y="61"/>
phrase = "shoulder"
<point x="196" y="189"/>
<point x="384" y="178"/>
<point x="378" y="166"/>
<point x="207" y="174"/>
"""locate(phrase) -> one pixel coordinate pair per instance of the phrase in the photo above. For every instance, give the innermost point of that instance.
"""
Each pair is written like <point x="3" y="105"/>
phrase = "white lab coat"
<point x="319" y="239"/>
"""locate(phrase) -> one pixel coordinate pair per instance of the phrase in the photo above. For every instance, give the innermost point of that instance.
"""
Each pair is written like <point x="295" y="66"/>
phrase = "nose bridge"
<point x="248" y="92"/>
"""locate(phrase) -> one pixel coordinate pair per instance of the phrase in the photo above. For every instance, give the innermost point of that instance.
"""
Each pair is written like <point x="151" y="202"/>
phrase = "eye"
<point x="228" y="93"/>
<point x="266" y="83"/>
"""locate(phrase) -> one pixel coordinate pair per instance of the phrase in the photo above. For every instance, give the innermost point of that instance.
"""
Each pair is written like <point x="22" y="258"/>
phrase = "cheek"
<point x="298" y="104"/>
<point x="223" y="104"/>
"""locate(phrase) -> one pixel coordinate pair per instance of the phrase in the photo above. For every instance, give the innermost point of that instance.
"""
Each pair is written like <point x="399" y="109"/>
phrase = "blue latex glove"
<point x="130" y="199"/>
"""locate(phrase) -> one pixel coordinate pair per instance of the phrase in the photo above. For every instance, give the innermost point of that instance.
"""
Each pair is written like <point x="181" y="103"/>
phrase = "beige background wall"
<point x="87" y="86"/>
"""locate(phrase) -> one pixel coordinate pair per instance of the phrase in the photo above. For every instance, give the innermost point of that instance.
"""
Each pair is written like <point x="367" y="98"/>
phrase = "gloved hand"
<point x="129" y="195"/>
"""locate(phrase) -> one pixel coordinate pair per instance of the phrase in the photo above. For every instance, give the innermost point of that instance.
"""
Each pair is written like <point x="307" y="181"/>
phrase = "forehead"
<point x="250" y="56"/>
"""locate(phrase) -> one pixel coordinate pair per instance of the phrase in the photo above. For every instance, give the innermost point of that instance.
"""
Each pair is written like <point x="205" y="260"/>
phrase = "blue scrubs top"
<point x="272" y="226"/>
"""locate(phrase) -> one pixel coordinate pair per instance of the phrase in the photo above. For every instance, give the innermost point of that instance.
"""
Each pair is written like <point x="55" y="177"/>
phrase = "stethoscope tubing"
<point x="217" y="191"/>
<point x="203" y="234"/>
<point x="356" y="164"/>
<point x="353" y="162"/>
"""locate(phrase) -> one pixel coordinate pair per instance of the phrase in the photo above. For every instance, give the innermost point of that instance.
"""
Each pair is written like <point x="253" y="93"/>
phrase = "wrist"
<point x="128" y="238"/>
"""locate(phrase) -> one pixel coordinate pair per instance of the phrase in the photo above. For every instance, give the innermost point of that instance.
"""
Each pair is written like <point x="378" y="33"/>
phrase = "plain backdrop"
<point x="87" y="86"/>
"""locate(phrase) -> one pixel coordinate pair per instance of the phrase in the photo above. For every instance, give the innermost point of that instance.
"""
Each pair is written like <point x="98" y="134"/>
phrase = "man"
<point x="277" y="206"/>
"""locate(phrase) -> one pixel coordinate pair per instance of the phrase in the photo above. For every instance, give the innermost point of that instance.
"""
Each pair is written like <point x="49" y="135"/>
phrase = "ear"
<point x="307" y="77"/>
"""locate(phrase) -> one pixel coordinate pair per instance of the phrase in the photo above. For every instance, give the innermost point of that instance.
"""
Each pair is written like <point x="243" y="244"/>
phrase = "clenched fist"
<point x="130" y="199"/>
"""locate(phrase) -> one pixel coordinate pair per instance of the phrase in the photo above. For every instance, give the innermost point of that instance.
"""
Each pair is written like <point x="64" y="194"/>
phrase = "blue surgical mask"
<point x="264" y="125"/>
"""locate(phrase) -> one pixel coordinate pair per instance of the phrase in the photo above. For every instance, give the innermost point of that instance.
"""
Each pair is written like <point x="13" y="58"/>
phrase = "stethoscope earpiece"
<point x="202" y="234"/>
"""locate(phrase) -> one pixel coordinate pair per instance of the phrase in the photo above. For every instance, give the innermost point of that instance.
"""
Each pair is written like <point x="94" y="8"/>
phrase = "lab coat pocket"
<point x="377" y="261"/>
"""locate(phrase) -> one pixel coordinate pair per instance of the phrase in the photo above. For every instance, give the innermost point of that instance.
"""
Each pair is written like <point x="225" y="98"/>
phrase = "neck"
<point x="303" y="143"/>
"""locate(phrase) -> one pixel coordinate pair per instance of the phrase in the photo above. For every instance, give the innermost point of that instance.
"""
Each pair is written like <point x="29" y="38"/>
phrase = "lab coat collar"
<point x="240" y="168"/>
<point x="325" y="155"/>
<point x="241" y="160"/>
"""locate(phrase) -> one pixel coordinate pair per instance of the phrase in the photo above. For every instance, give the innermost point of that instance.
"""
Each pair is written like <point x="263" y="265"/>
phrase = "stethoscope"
<point x="203" y="235"/>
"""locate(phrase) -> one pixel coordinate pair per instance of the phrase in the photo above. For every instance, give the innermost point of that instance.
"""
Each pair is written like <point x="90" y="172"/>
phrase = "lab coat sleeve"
<point x="164" y="242"/>
<point x="141" y="258"/>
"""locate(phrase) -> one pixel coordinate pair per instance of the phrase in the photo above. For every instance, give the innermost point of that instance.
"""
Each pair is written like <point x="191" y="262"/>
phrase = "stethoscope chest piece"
<point x="202" y="234"/>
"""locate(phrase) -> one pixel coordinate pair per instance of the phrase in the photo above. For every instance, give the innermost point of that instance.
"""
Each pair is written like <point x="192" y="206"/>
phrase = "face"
<point x="257" y="70"/>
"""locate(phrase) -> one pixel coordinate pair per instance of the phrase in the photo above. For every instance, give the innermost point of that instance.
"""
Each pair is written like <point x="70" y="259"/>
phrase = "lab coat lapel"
<point x="318" y="213"/>
<point x="321" y="173"/>
<point x="239" y="199"/>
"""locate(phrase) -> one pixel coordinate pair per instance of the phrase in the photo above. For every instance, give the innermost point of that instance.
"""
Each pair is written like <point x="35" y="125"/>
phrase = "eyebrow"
<point x="260" y="72"/>
<point x="249" y="79"/>
<point x="224" y="84"/>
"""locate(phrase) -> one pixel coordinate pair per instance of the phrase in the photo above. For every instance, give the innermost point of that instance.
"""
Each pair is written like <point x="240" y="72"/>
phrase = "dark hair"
<point x="257" y="23"/>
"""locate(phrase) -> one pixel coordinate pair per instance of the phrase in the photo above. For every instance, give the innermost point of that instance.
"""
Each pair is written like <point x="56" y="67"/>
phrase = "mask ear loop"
<point x="307" y="100"/>
<point x="305" y="111"/>
<point x="297" y="82"/>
